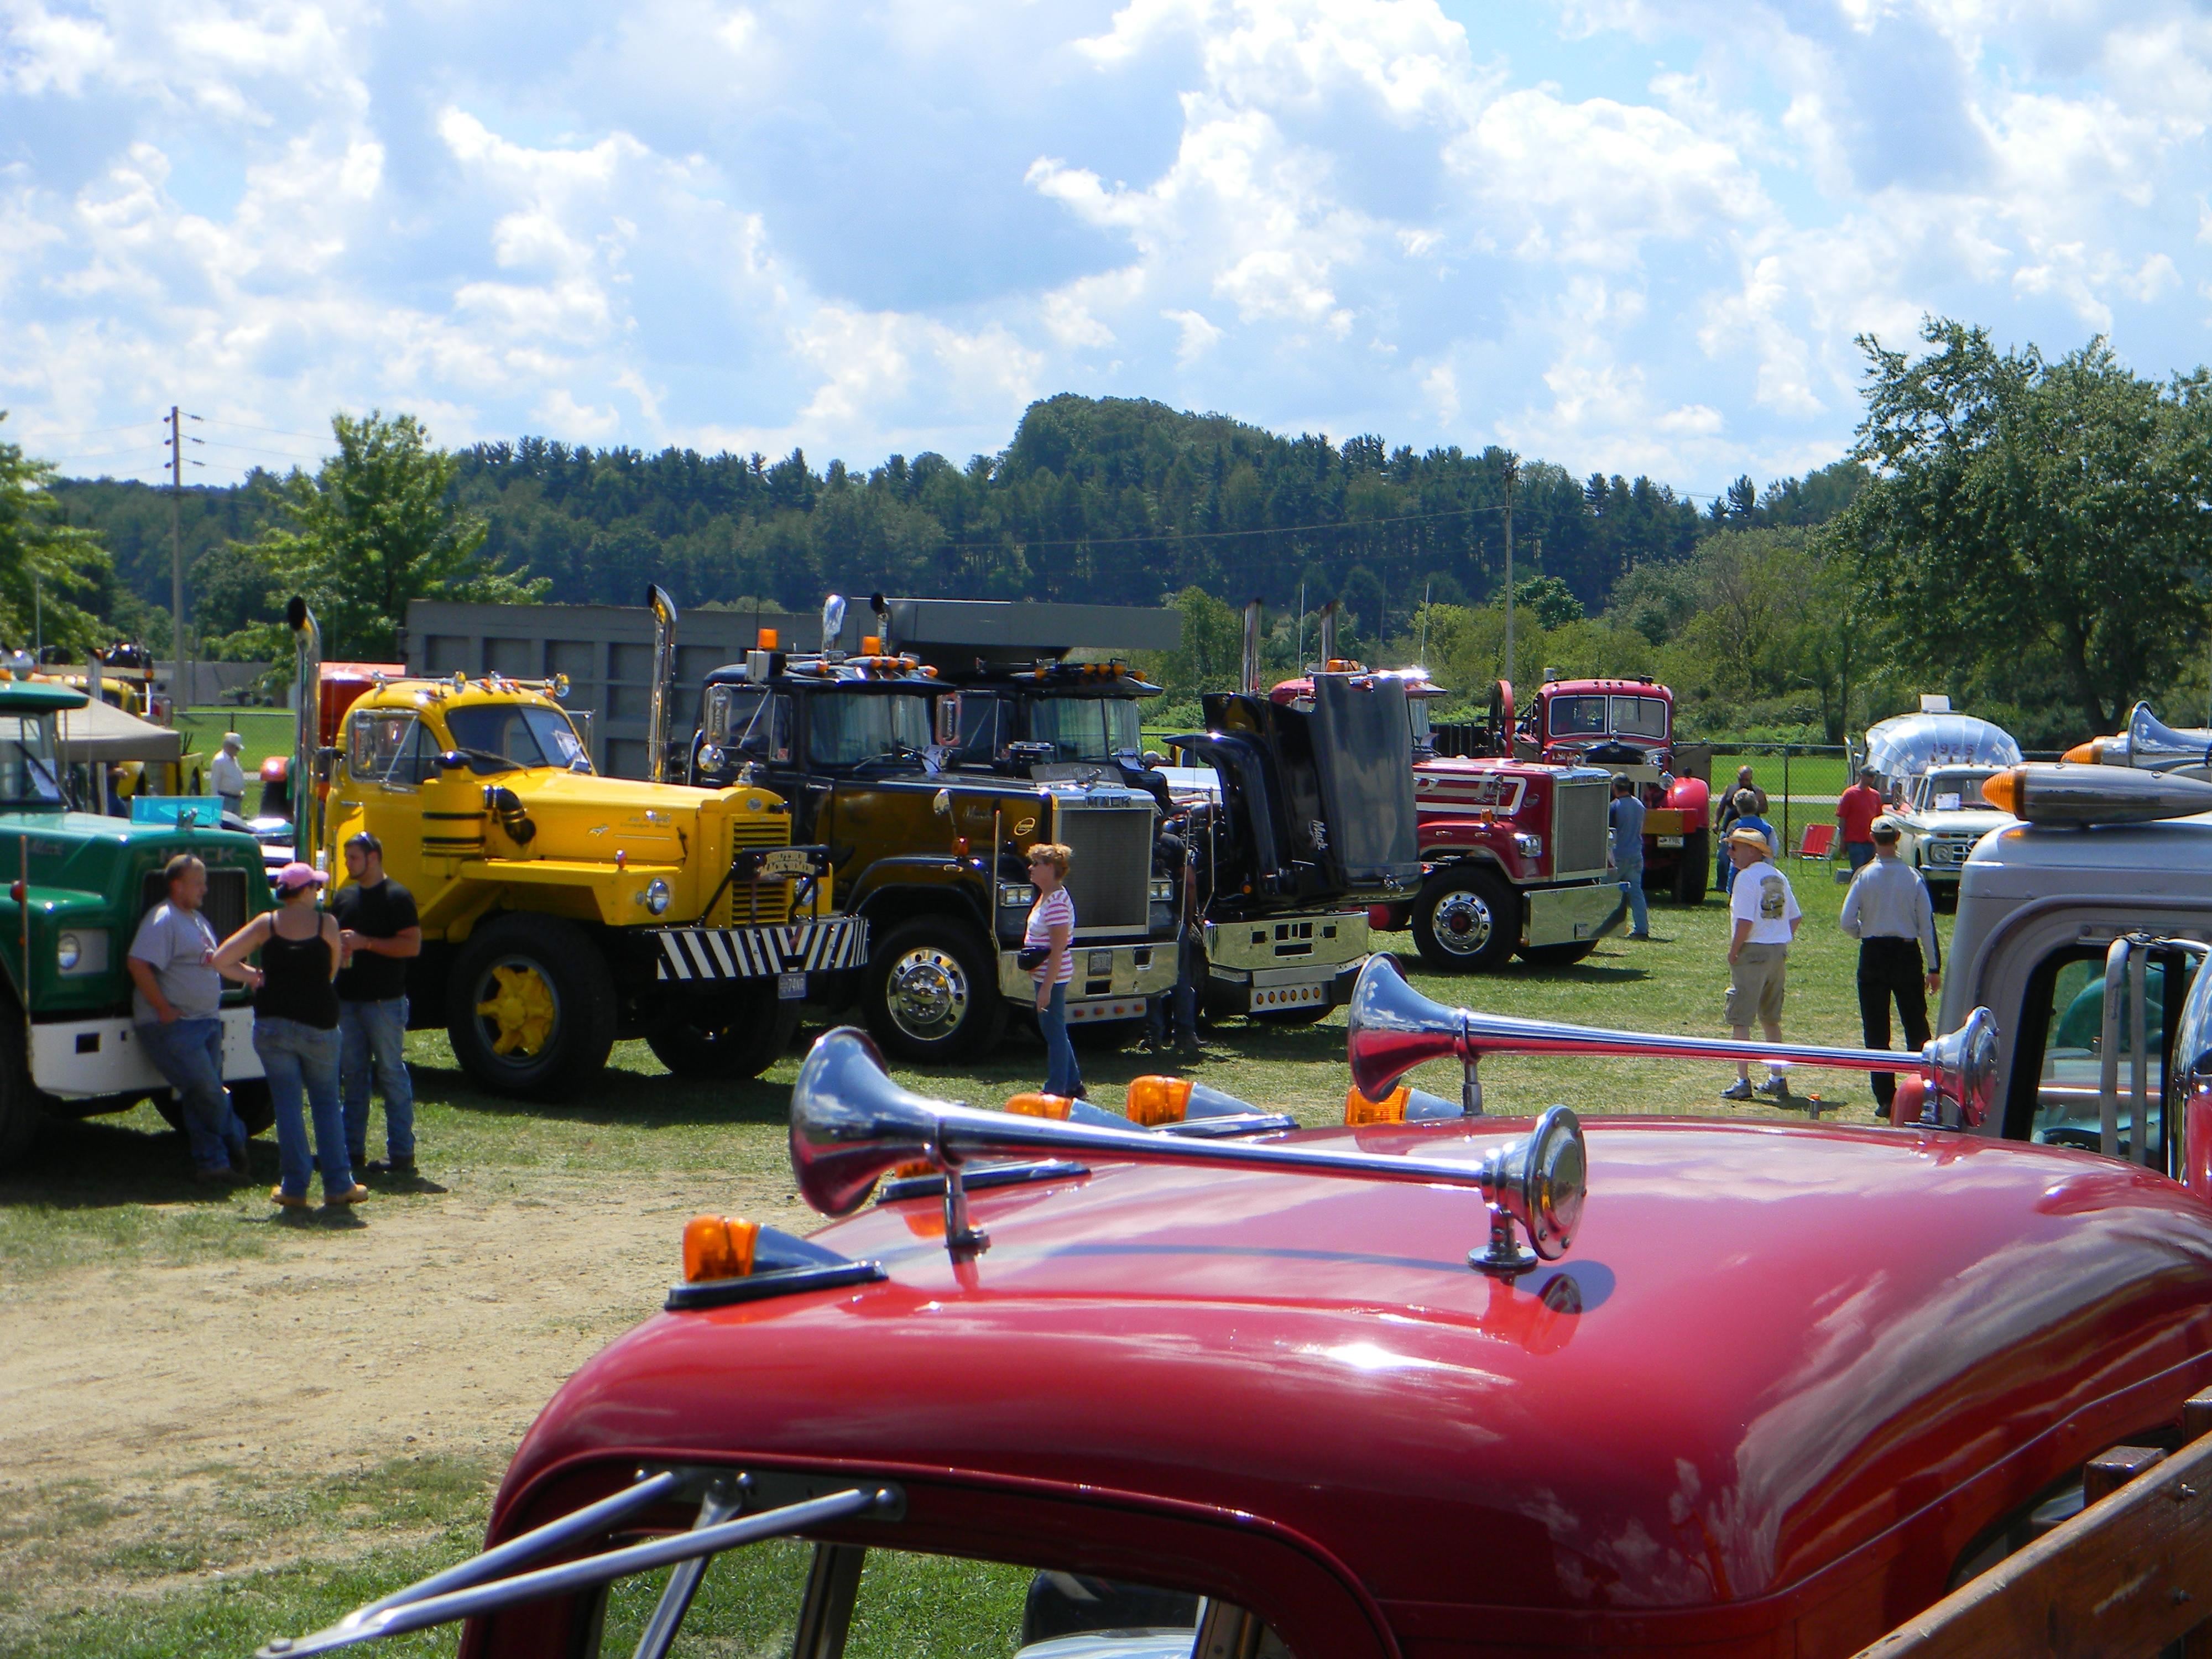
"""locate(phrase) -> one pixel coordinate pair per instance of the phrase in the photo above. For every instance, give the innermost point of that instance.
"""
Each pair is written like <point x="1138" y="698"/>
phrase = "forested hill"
<point x="1109" y="500"/>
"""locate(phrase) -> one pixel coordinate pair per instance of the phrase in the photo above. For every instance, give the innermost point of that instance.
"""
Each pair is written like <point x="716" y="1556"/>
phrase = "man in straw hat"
<point x="1763" y="916"/>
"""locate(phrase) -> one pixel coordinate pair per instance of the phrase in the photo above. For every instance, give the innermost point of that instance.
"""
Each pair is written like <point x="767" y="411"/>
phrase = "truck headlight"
<point x="655" y="897"/>
<point x="69" y="950"/>
<point x="82" y="951"/>
<point x="1529" y="847"/>
<point x="711" y="759"/>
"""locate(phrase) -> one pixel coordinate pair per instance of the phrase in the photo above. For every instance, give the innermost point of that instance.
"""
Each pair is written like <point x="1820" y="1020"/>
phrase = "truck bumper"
<point x="83" y="1059"/>
<point x="698" y="955"/>
<point x="1296" y="962"/>
<point x="1571" y="916"/>
<point x="1112" y="981"/>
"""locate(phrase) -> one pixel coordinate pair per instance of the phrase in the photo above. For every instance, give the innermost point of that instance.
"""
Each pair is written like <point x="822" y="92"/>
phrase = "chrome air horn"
<point x="1392" y="1028"/>
<point x="850" y="1125"/>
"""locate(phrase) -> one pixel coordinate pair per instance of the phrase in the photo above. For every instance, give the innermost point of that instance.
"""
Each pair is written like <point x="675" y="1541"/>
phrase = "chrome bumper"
<point x="1112" y="981"/>
<point x="1569" y="916"/>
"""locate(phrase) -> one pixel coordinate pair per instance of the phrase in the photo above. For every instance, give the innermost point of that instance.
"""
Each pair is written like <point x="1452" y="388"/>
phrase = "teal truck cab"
<point x="78" y="885"/>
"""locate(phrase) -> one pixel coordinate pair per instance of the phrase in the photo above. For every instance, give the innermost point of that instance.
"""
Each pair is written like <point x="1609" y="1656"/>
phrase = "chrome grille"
<point x="1579" y="828"/>
<point x="224" y="906"/>
<point x="749" y="904"/>
<point x="1109" y="871"/>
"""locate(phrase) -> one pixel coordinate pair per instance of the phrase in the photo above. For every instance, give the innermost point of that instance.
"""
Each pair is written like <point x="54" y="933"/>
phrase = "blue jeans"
<point x="375" y="1035"/>
<point x="1631" y="883"/>
<point x="1060" y="1077"/>
<point x="1183" y="1001"/>
<point x="188" y="1053"/>
<point x="305" y="1058"/>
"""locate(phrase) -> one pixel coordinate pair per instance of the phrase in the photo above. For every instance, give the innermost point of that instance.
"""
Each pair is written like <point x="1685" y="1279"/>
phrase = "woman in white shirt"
<point x="1052" y="930"/>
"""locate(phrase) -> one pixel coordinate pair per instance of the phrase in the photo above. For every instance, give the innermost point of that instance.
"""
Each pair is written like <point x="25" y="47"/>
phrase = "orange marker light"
<point x="871" y="645"/>
<point x="1157" y="1100"/>
<point x="2091" y="753"/>
<point x="1036" y="1105"/>
<point x="2007" y="791"/>
<point x="1391" y="1109"/>
<point x="766" y="640"/>
<point x="920" y="1166"/>
<point x="718" y="1247"/>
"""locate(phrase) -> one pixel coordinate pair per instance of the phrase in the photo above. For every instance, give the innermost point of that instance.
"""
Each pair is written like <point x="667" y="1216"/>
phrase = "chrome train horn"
<point x="850" y="1125"/>
<point x="1392" y="1028"/>
<point x="2155" y="746"/>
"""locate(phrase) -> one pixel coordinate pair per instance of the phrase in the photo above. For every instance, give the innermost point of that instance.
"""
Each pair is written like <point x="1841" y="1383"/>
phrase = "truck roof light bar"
<point x="475" y="1587"/>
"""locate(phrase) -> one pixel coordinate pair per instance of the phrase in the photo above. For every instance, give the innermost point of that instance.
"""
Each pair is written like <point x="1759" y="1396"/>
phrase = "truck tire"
<point x="249" y="1099"/>
<point x="22" y="1116"/>
<point x="1695" y="871"/>
<point x="531" y="1007"/>
<point x="734" y="1036"/>
<point x="1467" y="920"/>
<point x="931" y="992"/>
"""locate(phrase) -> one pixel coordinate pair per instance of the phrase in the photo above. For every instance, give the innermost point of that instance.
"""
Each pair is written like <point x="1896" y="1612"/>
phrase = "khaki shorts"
<point x="1757" y="980"/>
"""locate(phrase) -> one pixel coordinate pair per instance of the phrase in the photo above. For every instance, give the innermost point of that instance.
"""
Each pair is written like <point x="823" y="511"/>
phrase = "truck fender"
<point x="887" y="895"/>
<point x="1691" y="795"/>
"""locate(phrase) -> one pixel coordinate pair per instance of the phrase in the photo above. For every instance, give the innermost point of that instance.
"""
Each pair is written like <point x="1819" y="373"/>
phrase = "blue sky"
<point x="1620" y="234"/>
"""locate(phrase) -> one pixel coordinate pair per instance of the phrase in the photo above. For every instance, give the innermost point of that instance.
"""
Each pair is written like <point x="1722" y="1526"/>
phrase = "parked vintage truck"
<point x="78" y="885"/>
<point x="561" y="910"/>
<point x="932" y="856"/>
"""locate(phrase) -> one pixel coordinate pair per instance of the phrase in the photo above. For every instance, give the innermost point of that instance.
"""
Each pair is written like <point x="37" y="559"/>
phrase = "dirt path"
<point x="441" y="1323"/>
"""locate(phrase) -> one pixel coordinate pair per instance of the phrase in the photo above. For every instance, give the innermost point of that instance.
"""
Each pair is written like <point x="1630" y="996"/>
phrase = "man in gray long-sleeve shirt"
<point x="1888" y="912"/>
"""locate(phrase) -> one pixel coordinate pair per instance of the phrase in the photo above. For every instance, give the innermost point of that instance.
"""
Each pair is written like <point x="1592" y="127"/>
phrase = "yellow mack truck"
<point x="561" y="910"/>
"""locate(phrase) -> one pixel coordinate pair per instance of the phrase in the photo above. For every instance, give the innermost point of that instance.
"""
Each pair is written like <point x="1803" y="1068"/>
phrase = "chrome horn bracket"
<point x="962" y="1237"/>
<point x="1505" y="1255"/>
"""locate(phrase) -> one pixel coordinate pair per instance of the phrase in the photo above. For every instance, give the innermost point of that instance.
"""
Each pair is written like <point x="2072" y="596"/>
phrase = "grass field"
<point x="267" y="731"/>
<point x="170" y="1552"/>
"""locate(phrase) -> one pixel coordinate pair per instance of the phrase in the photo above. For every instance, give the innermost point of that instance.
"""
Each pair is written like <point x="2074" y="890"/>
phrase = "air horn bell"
<point x="1392" y="1028"/>
<point x="850" y="1125"/>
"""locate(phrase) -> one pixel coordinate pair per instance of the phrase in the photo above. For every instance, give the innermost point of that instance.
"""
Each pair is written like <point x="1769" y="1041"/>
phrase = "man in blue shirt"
<point x="1626" y="815"/>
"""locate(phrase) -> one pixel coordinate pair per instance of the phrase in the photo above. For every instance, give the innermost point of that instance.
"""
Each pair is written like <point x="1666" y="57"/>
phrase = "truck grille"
<point x="224" y="906"/>
<point x="1109" y="871"/>
<point x="1579" y="828"/>
<point x="749" y="904"/>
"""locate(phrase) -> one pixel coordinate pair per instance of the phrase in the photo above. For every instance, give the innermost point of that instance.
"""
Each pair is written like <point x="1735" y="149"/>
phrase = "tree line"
<point x="2027" y="534"/>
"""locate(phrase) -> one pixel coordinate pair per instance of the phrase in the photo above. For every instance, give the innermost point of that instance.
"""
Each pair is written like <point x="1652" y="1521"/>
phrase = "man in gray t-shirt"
<point x="175" y="1006"/>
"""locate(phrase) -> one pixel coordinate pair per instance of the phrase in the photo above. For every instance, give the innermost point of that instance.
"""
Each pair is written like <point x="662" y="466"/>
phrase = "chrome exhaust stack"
<point x="307" y="730"/>
<point x="663" y="674"/>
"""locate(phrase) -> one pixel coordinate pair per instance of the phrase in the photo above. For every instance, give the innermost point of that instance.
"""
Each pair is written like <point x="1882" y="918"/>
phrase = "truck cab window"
<point x="1086" y="728"/>
<point x="387" y="748"/>
<point x="2061" y="1049"/>
<point x="852" y="731"/>
<point x="1574" y="717"/>
<point x="754" y="723"/>
<point x="1640" y="717"/>
<point x="981" y="736"/>
<point x="515" y="737"/>
<point x="28" y="776"/>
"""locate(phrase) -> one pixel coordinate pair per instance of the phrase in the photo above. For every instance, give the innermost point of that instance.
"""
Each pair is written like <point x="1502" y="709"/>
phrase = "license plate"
<point x="790" y="987"/>
<point x="1670" y="840"/>
<point x="786" y="861"/>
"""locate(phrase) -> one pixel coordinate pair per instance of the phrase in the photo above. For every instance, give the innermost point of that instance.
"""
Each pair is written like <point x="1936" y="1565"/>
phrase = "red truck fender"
<point x="1691" y="795"/>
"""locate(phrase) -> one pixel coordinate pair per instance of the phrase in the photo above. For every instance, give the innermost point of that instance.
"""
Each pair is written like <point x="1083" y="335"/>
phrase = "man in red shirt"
<point x="1857" y="809"/>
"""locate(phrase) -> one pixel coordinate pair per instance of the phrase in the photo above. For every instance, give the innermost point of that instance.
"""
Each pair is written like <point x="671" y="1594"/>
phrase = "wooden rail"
<point x="2127" y="1578"/>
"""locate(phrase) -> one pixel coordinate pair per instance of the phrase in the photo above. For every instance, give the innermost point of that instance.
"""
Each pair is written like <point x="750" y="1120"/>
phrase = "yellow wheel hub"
<point x="521" y="1010"/>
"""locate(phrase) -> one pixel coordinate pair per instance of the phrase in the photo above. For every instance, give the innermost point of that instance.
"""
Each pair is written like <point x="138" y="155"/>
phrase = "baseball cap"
<point x="295" y="875"/>
<point x="1886" y="829"/>
<point x="232" y="740"/>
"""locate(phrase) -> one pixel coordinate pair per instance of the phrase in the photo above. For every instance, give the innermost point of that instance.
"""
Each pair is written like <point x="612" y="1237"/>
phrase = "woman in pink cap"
<point x="295" y="1032"/>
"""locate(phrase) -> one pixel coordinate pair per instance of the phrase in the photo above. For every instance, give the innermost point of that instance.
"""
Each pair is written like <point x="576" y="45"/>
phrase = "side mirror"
<point x="948" y="720"/>
<point x="942" y="804"/>
<point x="452" y="760"/>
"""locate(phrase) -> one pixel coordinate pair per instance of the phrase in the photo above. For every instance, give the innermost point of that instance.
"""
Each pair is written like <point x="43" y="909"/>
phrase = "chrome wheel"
<point x="926" y="993"/>
<point x="1464" y="923"/>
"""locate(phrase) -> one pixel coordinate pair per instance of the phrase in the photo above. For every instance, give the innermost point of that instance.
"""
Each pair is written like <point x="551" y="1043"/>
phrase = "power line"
<point x="255" y="449"/>
<point x="280" y="431"/>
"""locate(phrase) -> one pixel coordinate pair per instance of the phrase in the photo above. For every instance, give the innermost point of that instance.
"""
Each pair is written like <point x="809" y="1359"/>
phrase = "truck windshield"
<point x="1640" y="717"/>
<point x="1954" y="787"/>
<point x="28" y="776"/>
<point x="1578" y="717"/>
<point x="508" y="737"/>
<point x="853" y="730"/>
<point x="1086" y="728"/>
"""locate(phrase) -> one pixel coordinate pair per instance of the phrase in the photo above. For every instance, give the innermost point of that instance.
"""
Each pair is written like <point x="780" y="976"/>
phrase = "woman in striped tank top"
<point x="1052" y="930"/>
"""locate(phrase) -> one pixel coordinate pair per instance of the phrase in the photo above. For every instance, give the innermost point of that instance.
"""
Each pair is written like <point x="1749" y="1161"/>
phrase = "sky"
<point x="1622" y="235"/>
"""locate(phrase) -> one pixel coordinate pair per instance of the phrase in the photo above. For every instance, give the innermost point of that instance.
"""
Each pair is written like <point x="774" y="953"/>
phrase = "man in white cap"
<point x="227" y="777"/>
<point x="1763" y="916"/>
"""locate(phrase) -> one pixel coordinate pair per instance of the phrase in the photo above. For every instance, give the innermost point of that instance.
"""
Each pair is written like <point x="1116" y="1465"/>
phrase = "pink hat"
<point x="294" y="876"/>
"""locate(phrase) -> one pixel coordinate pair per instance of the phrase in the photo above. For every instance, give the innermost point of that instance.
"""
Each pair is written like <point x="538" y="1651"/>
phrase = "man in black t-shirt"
<point x="378" y="931"/>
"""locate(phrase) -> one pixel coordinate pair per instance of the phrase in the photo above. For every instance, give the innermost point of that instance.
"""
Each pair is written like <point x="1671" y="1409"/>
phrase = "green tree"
<point x="2026" y="514"/>
<point x="45" y="567"/>
<point x="1549" y="599"/>
<point x="375" y="526"/>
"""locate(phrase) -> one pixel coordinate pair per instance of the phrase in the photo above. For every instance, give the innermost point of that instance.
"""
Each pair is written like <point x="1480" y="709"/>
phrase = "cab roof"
<point x="1640" y="688"/>
<point x="1770" y="1345"/>
<point x="414" y="692"/>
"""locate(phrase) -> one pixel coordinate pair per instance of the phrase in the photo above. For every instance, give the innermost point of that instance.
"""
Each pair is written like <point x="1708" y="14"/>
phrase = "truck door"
<point x="389" y="754"/>
<point x="2058" y="1067"/>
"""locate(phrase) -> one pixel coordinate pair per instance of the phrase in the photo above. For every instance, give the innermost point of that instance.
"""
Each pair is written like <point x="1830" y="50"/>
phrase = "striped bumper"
<point x="813" y="947"/>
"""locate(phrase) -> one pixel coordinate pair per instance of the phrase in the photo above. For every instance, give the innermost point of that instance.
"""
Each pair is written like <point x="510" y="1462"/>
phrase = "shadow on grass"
<point x="617" y="1098"/>
<point x="94" y="1162"/>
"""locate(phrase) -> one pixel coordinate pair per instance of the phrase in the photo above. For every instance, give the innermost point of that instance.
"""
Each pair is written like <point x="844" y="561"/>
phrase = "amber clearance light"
<point x="718" y="1247"/>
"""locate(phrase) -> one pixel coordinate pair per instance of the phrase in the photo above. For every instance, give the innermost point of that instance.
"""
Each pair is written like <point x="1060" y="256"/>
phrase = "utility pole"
<point x="1512" y="477"/>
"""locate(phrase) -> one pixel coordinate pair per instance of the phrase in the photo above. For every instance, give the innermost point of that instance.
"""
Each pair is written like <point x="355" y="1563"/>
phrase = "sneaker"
<point x="284" y="1200"/>
<point x="1640" y="936"/>
<point x="1739" y="1089"/>
<point x="353" y="1194"/>
<point x="397" y="1168"/>
<point x="1774" y="1088"/>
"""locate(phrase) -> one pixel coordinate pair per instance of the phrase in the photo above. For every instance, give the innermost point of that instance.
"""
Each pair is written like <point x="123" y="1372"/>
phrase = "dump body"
<point x="1787" y="1381"/>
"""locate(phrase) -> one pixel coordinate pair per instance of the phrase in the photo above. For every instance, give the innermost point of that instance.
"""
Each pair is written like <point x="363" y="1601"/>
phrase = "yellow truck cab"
<point x="561" y="910"/>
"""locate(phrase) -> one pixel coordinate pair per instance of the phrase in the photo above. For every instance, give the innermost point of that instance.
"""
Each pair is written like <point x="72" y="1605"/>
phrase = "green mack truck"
<point x="78" y="885"/>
